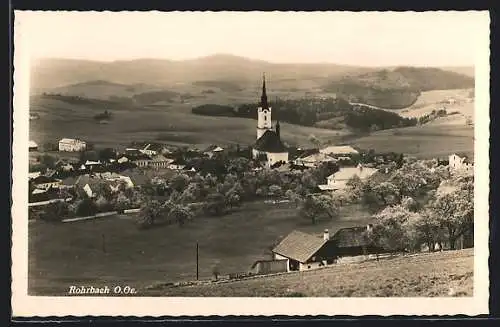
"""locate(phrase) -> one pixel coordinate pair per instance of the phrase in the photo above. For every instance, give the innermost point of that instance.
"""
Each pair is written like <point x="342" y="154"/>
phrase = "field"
<point x="113" y="251"/>
<point x="433" y="100"/>
<point x="170" y="124"/>
<point x="426" y="141"/>
<point x="424" y="275"/>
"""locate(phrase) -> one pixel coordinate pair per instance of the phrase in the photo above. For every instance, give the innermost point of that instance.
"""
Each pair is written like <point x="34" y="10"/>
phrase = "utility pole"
<point x="197" y="265"/>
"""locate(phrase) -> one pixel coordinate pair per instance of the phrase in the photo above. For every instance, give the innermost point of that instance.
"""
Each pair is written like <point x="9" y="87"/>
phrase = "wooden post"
<point x="103" y="243"/>
<point x="197" y="265"/>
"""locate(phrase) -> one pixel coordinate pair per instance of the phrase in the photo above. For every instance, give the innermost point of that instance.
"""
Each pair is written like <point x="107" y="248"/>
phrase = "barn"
<point x="268" y="266"/>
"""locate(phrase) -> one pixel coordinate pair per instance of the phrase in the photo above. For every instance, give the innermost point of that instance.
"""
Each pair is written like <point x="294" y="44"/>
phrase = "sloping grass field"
<point x="426" y="141"/>
<point x="424" y="275"/>
<point x="173" y="124"/>
<point x="112" y="251"/>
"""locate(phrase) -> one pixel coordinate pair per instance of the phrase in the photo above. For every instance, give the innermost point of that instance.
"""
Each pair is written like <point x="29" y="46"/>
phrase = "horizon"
<point x="367" y="39"/>
<point x="246" y="58"/>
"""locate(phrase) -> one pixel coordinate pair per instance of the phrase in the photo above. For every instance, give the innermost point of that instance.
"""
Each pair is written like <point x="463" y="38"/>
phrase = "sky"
<point x="364" y="38"/>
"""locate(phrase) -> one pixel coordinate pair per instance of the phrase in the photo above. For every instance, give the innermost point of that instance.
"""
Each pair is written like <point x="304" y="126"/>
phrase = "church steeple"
<point x="263" y="97"/>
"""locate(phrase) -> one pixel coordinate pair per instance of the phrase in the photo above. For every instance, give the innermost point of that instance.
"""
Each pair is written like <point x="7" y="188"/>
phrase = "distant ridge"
<point x="52" y="72"/>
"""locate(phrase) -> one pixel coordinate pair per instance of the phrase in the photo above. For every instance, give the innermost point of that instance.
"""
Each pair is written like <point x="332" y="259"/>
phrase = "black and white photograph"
<point x="250" y="157"/>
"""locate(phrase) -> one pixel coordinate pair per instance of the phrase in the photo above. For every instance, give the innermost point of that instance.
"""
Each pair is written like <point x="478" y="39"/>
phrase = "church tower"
<point x="263" y="112"/>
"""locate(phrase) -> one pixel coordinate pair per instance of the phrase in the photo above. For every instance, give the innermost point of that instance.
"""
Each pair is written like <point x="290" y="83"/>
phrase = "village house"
<point x="313" y="160"/>
<point x="338" y="180"/>
<point x="213" y="150"/>
<point x="32" y="146"/>
<point x="176" y="165"/>
<point x="71" y="145"/>
<point x="268" y="145"/>
<point x="304" y="251"/>
<point x="33" y="175"/>
<point x="460" y="162"/>
<point x="45" y="182"/>
<point x="339" y="150"/>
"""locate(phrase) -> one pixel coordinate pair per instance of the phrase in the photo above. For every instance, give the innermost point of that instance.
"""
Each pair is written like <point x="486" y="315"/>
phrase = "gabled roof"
<point x="44" y="179"/>
<point x="214" y="148"/>
<point x="345" y="173"/>
<point x="299" y="246"/>
<point x="339" y="149"/>
<point x="270" y="142"/>
<point x="32" y="144"/>
<point x="350" y="237"/>
<point x="317" y="157"/>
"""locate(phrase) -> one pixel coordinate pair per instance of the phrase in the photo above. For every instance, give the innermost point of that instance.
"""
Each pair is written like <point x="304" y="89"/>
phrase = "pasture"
<point x="426" y="141"/>
<point x="112" y="251"/>
<point x="435" y="100"/>
<point x="173" y="124"/>
<point x="422" y="275"/>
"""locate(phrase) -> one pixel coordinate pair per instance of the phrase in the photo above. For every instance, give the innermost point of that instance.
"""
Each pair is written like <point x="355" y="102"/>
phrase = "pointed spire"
<point x="263" y="97"/>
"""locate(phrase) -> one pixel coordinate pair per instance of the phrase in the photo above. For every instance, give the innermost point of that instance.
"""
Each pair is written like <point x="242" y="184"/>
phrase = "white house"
<point x="44" y="182"/>
<point x="338" y="180"/>
<point x="341" y="150"/>
<point x="32" y="146"/>
<point x="459" y="163"/>
<point x="34" y="175"/>
<point x="71" y="145"/>
<point x="148" y="151"/>
<point x="314" y="160"/>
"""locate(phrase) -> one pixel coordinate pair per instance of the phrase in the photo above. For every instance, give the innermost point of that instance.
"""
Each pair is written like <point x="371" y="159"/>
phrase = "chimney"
<point x="326" y="235"/>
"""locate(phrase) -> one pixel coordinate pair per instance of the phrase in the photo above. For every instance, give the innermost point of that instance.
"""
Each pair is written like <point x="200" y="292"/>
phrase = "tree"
<point x="275" y="190"/>
<point x="181" y="214"/>
<point x="106" y="154"/>
<point x="55" y="212"/>
<point x="149" y="214"/>
<point x="215" y="205"/>
<point x="315" y="206"/>
<point x="428" y="228"/>
<point x="86" y="207"/>
<point x="393" y="230"/>
<point x="455" y="212"/>
<point x="179" y="182"/>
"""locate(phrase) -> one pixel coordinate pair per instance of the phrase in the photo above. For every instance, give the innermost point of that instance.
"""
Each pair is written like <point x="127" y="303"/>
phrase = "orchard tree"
<point x="455" y="213"/>
<point x="181" y="214"/>
<point x="315" y="206"/>
<point x="393" y="230"/>
<point x="149" y="214"/>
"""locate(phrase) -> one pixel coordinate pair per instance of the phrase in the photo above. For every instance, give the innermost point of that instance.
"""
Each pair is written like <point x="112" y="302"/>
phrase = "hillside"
<point x="173" y="124"/>
<point x="51" y="73"/>
<point x="426" y="275"/>
<point x="397" y="88"/>
<point x="239" y="72"/>
<point x="65" y="254"/>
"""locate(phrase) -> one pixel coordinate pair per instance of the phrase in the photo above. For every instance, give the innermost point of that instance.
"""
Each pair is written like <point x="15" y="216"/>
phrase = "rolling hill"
<point x="53" y="73"/>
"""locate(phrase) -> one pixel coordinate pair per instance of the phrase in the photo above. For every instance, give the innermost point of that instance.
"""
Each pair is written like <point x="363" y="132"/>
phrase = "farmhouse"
<point x="268" y="144"/>
<point x="313" y="160"/>
<point x="213" y="150"/>
<point x="268" y="266"/>
<point x="33" y="175"/>
<point x="305" y="251"/>
<point x="45" y="182"/>
<point x="338" y="180"/>
<point x="340" y="150"/>
<point x="71" y="145"/>
<point x="32" y="146"/>
<point x="459" y="162"/>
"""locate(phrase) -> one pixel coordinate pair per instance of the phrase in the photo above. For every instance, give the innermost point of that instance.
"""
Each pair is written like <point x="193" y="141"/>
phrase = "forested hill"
<point x="329" y="113"/>
<point x="397" y="88"/>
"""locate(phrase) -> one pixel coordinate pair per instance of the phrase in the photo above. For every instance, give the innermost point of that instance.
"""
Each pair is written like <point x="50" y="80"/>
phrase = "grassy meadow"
<point x="173" y="124"/>
<point x="426" y="141"/>
<point x="423" y="275"/>
<point x="61" y="255"/>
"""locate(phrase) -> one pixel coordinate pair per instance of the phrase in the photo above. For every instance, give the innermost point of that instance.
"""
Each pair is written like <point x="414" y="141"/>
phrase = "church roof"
<point x="270" y="142"/>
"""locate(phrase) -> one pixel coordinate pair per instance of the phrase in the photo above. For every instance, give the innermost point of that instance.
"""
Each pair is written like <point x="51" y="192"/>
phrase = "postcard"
<point x="250" y="163"/>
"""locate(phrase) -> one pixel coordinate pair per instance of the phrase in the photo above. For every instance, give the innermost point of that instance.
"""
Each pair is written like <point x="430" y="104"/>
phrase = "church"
<point x="268" y="144"/>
